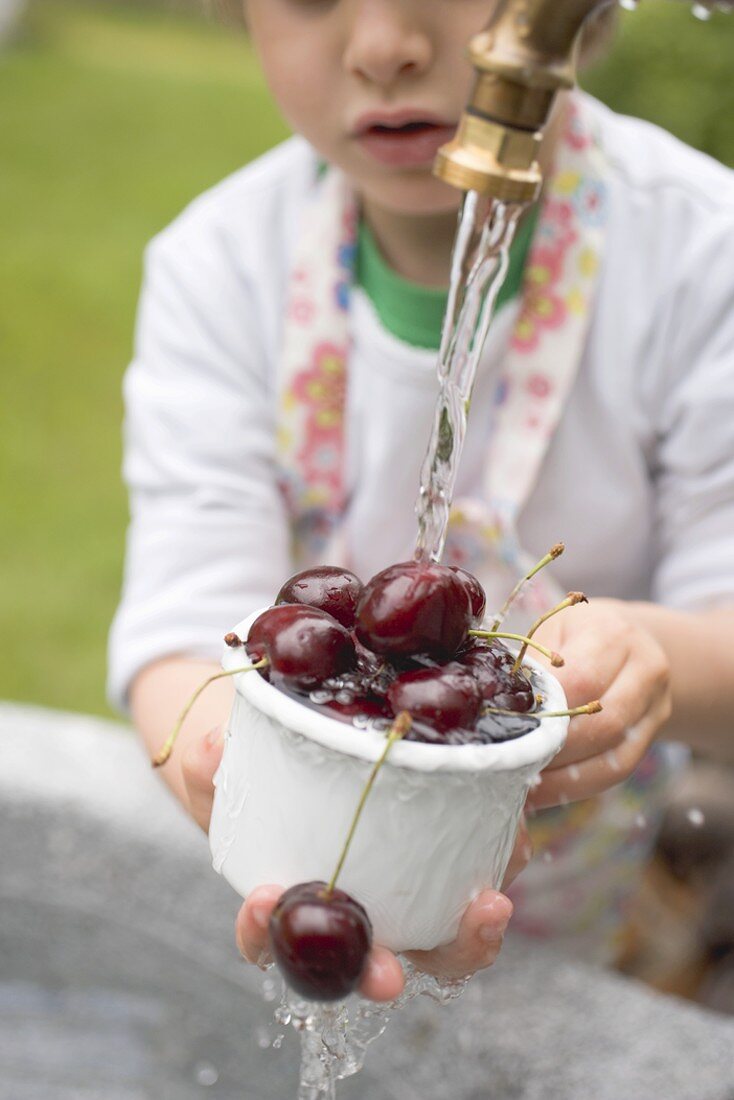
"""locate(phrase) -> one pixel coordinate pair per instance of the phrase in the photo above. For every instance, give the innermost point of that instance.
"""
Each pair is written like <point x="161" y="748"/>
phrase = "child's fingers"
<point x="594" y="734"/>
<point x="593" y="661"/>
<point x="642" y="684"/>
<point x="251" y="929"/>
<point x="478" y="943"/>
<point x="198" y="764"/>
<point x="591" y="777"/>
<point x="383" y="980"/>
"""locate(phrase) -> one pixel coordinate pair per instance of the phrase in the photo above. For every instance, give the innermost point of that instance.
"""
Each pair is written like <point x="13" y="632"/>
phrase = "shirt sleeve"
<point x="208" y="538"/>
<point x="694" y="475"/>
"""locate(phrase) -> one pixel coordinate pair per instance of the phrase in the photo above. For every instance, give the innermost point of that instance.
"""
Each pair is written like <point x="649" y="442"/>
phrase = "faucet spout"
<point x="524" y="58"/>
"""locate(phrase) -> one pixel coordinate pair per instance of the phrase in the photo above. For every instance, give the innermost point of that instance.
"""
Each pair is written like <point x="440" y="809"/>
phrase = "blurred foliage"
<point x="112" y="117"/>
<point x="675" y="71"/>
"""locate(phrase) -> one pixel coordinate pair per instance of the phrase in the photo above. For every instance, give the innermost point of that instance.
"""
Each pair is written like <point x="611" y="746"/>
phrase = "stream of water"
<point x="478" y="269"/>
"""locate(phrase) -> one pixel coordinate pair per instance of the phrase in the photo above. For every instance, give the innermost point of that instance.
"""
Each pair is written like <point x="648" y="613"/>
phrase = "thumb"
<point x="198" y="765"/>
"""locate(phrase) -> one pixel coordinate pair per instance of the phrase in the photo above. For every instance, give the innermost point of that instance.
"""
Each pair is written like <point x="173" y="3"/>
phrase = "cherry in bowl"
<point x="329" y="588"/>
<point x="302" y="645"/>
<point x="415" y="609"/>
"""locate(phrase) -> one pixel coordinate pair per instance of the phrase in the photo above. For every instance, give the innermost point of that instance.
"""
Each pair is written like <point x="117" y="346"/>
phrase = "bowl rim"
<point x="535" y="748"/>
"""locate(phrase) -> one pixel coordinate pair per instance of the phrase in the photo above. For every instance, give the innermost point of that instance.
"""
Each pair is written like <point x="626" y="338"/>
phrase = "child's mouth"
<point x="412" y="144"/>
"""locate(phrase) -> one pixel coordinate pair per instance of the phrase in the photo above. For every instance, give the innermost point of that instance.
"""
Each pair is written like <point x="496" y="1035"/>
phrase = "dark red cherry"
<point x="483" y="651"/>
<point x="491" y="665"/>
<point x="443" y="698"/>
<point x="368" y="662"/>
<point x="517" y="695"/>
<point x="320" y="941"/>
<point x="370" y="706"/>
<point x="476" y="593"/>
<point x="479" y="661"/>
<point x="495" y="728"/>
<point x="414" y="608"/>
<point x="329" y="588"/>
<point x="304" y="646"/>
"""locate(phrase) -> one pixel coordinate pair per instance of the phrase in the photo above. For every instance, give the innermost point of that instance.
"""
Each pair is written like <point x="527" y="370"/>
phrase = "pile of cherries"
<point x="400" y="649"/>
<point x="405" y="653"/>
<point x="400" y="643"/>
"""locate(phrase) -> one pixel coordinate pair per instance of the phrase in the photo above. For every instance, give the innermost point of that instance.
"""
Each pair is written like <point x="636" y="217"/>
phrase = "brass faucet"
<point x="523" y="60"/>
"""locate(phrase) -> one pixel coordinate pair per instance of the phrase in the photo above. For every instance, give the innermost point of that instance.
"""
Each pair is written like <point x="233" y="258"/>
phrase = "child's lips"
<point x="404" y="142"/>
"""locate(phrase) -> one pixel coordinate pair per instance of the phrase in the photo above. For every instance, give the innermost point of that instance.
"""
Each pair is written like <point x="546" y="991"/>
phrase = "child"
<point x="603" y="414"/>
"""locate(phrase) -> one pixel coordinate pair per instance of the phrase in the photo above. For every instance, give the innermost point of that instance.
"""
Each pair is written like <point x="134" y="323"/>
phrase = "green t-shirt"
<point x="412" y="312"/>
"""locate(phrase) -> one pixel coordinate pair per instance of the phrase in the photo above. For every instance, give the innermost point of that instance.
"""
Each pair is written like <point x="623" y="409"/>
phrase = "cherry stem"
<point x="571" y="600"/>
<point x="399" y="729"/>
<point x="167" y="749"/>
<point x="555" y="658"/>
<point x="589" y="708"/>
<point x="553" y="553"/>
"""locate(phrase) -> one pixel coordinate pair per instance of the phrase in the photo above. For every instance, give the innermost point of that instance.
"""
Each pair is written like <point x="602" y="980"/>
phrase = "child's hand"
<point x="609" y="658"/>
<point x="475" y="948"/>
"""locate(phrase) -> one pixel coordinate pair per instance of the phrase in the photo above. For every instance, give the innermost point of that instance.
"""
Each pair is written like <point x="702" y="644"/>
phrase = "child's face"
<point x="376" y="86"/>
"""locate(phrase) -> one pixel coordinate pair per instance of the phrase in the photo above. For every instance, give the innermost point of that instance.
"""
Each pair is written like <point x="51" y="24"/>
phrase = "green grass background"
<point x="112" y="117"/>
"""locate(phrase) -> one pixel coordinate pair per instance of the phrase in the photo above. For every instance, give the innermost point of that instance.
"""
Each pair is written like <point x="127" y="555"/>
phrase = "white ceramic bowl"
<point x="438" y="827"/>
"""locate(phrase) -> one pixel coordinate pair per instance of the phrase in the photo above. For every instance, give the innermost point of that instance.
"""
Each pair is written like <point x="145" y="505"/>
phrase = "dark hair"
<point x="231" y="11"/>
<point x="599" y="35"/>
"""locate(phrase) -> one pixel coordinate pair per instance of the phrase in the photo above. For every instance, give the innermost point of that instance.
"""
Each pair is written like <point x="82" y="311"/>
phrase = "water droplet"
<point x="614" y="762"/>
<point x="269" y="990"/>
<point x="262" y="1038"/>
<point x="278" y="1042"/>
<point x="206" y="1074"/>
<point x="696" y="817"/>
<point x="265" y="961"/>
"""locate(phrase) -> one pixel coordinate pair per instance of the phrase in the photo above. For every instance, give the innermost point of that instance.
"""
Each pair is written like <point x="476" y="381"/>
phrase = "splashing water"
<point x="478" y="268"/>
<point x="335" y="1037"/>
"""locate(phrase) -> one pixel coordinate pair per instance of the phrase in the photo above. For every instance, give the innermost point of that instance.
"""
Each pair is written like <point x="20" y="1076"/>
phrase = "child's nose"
<point x="386" y="41"/>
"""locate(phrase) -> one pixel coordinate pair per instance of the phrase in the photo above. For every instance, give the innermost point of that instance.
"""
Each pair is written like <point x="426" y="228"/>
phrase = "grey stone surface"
<point x="119" y="979"/>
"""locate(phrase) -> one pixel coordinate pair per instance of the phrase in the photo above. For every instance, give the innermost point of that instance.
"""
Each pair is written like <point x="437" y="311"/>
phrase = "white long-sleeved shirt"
<point x="639" y="477"/>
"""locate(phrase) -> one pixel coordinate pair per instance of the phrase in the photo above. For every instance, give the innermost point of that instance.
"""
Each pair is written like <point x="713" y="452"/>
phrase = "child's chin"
<point x="413" y="193"/>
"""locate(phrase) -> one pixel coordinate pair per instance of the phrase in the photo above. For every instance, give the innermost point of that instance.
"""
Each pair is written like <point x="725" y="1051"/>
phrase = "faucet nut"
<point x="493" y="159"/>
